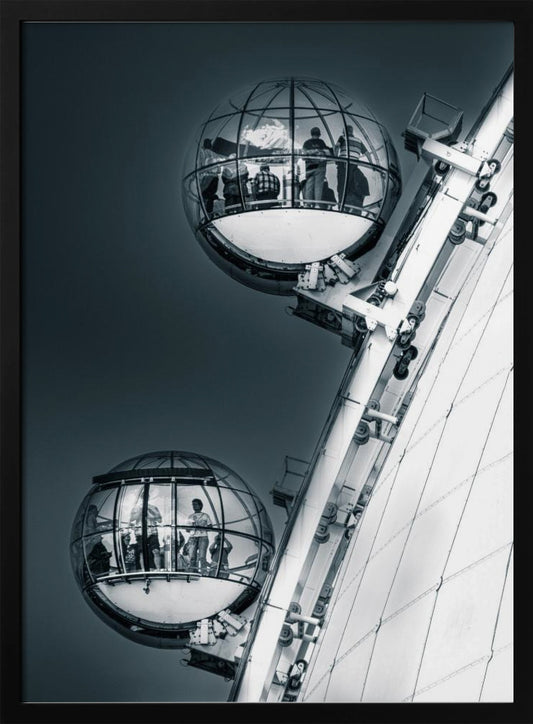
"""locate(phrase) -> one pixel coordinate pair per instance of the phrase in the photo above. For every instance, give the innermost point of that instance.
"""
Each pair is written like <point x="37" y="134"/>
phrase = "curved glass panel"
<point x="100" y="511"/>
<point x="158" y="526"/>
<point x="209" y="505"/>
<point x="163" y="459"/>
<point x="288" y="143"/>
<point x="270" y="95"/>
<point x="196" y="522"/>
<point x="129" y="527"/>
<point x="240" y="513"/>
<point x="77" y="526"/>
<point x="243" y="559"/>
<point x="234" y="103"/>
<point x="265" y="134"/>
<point x="392" y="195"/>
<point x="235" y="187"/>
<point x="167" y="526"/>
<point x="222" y="136"/>
<point x="369" y="135"/>
<point x="269" y="181"/>
<point x="100" y="555"/>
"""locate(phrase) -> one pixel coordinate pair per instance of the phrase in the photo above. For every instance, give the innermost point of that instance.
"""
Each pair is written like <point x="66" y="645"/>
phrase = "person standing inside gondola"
<point x="315" y="151"/>
<point x="348" y="172"/>
<point x="153" y="520"/>
<point x="198" y="541"/>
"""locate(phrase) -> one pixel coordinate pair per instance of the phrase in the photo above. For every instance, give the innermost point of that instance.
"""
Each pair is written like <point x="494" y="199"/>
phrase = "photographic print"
<point x="267" y="361"/>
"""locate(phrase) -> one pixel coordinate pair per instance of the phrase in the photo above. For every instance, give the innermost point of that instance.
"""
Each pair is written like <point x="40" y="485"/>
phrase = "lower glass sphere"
<point x="167" y="539"/>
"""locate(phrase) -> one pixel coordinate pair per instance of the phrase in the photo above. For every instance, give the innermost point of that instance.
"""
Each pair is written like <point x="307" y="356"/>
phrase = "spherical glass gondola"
<point x="166" y="539"/>
<point x="286" y="173"/>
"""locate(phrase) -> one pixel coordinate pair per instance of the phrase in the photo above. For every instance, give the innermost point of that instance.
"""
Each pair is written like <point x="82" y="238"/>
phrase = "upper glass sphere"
<point x="285" y="173"/>
<point x="166" y="539"/>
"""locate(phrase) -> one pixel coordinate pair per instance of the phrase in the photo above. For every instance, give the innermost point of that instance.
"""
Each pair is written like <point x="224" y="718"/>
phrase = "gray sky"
<point x="133" y="340"/>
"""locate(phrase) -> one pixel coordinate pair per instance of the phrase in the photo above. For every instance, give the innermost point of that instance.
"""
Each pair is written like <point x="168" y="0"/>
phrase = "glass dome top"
<point x="158" y="523"/>
<point x="288" y="172"/>
<point x="168" y="459"/>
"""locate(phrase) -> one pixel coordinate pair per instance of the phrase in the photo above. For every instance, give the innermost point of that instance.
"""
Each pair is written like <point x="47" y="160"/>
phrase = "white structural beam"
<point x="415" y="265"/>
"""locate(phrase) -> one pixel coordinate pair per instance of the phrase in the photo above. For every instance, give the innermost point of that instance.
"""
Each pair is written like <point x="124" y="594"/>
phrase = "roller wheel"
<point x="405" y="340"/>
<point x="362" y="433"/>
<point x="286" y="636"/>
<point x="457" y="232"/>
<point x="488" y="200"/>
<point x="400" y="371"/>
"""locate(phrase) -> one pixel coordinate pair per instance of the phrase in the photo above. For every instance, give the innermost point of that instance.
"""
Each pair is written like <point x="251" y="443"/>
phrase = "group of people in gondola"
<point x="190" y="554"/>
<point x="263" y="190"/>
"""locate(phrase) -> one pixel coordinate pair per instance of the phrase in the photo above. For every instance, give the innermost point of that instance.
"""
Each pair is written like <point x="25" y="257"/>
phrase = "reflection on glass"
<point x="99" y="554"/>
<point x="240" y="513"/>
<point x="371" y="134"/>
<point x="192" y="201"/>
<point x="208" y="174"/>
<point x="235" y="178"/>
<point x="182" y="552"/>
<point x="219" y="551"/>
<point x="99" y="515"/>
<point x="352" y="185"/>
<point x="223" y="135"/>
<point x="78" y="525"/>
<point x="78" y="558"/>
<point x="265" y="135"/>
<point x="129" y="550"/>
<point x="290" y="143"/>
<point x="242" y="563"/>
<point x="130" y="528"/>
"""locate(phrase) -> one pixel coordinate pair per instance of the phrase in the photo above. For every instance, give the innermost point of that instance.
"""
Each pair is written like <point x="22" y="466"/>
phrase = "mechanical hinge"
<point x="363" y="432"/>
<point x="312" y="277"/>
<point x="294" y="616"/>
<point x="343" y="269"/>
<point x="295" y="679"/>
<point x="354" y="307"/>
<point x="203" y="634"/>
<point x="280" y="678"/>
<point x="207" y="630"/>
<point x="328" y="517"/>
<point x="451" y="156"/>
<point x="230" y="622"/>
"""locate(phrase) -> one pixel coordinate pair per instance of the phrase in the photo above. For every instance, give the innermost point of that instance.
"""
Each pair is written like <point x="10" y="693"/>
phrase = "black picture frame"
<point x="13" y="14"/>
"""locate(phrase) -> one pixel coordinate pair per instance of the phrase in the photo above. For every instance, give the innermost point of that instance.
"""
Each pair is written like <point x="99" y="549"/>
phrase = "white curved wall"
<point x="422" y="609"/>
